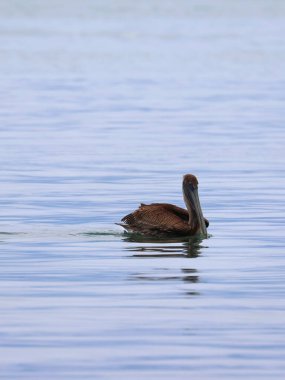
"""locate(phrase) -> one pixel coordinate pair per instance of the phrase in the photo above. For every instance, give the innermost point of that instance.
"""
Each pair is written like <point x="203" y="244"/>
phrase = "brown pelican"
<point x="164" y="219"/>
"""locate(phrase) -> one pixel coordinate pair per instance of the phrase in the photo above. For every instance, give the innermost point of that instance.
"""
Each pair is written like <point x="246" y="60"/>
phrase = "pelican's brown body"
<point x="159" y="219"/>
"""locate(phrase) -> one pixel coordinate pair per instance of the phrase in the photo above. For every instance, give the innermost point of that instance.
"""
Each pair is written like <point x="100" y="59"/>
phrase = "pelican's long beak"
<point x="191" y="198"/>
<point x="197" y="206"/>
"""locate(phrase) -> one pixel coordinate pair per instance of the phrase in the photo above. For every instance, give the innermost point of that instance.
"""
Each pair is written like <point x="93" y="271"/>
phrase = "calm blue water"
<point x="104" y="105"/>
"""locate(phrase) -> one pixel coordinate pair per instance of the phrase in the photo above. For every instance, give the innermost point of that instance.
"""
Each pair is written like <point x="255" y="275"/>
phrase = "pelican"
<point x="164" y="219"/>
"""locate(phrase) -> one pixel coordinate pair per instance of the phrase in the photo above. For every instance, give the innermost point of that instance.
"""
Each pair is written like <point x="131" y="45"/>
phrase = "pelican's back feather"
<point x="158" y="218"/>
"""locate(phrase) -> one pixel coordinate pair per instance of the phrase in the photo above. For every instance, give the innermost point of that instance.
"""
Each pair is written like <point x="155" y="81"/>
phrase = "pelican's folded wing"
<point x="157" y="218"/>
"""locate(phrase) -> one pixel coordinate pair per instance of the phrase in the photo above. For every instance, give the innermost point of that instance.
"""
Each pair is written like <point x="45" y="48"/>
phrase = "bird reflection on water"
<point x="186" y="276"/>
<point x="147" y="247"/>
<point x="155" y="248"/>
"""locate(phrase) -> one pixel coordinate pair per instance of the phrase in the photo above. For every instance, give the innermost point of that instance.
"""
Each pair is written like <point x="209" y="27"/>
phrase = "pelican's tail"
<point x="125" y="226"/>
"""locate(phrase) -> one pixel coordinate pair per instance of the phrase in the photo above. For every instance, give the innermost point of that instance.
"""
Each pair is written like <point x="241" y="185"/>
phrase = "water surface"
<point x="107" y="105"/>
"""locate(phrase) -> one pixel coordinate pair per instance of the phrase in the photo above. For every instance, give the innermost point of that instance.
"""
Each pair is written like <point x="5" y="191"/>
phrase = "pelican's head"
<point x="191" y="198"/>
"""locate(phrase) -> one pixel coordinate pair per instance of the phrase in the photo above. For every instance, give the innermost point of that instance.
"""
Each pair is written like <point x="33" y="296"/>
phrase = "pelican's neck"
<point x="196" y="219"/>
